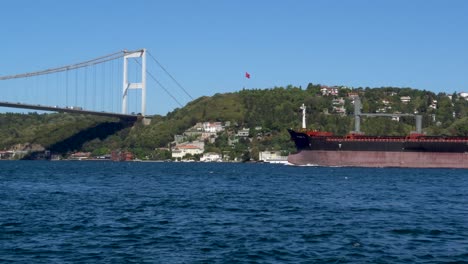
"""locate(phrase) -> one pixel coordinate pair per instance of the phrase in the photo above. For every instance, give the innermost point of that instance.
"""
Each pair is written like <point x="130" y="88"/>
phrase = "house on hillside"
<point x="405" y="99"/>
<point x="339" y="110"/>
<point x="325" y="90"/>
<point x="180" y="151"/>
<point x="6" y="154"/>
<point x="120" y="155"/>
<point x="243" y="132"/>
<point x="338" y="101"/>
<point x="353" y="95"/>
<point x="213" y="127"/>
<point x="209" y="136"/>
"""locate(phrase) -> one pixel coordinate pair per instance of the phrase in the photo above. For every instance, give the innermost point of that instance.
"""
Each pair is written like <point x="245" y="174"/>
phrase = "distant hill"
<point x="273" y="110"/>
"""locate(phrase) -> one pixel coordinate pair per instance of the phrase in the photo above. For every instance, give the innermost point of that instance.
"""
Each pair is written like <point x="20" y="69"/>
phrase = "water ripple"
<point x="86" y="212"/>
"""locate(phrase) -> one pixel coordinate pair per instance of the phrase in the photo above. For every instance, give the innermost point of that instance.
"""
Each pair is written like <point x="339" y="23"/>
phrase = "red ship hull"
<point x="380" y="159"/>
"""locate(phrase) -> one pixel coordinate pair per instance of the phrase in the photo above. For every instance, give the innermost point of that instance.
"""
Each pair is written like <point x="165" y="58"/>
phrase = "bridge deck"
<point x="69" y="110"/>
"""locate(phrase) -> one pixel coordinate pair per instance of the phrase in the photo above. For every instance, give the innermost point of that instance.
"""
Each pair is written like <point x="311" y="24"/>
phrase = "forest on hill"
<point x="274" y="110"/>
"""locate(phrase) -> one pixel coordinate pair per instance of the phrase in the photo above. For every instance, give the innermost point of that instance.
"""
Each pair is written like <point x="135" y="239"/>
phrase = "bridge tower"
<point x="137" y="85"/>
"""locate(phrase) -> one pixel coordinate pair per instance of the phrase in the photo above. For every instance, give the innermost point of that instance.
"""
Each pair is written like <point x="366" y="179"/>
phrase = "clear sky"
<point x="208" y="45"/>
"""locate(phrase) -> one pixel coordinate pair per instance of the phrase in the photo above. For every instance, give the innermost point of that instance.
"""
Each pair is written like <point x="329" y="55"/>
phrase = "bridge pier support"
<point x="146" y="121"/>
<point x="143" y="120"/>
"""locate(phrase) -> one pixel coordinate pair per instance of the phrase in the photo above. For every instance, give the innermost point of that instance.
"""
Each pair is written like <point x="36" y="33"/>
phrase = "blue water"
<point x="106" y="212"/>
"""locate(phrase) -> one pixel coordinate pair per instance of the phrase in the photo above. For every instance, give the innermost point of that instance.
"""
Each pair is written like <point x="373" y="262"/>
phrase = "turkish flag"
<point x="247" y="75"/>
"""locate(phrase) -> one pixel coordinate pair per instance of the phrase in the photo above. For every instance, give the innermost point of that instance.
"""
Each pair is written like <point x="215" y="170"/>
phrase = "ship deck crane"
<point x="358" y="114"/>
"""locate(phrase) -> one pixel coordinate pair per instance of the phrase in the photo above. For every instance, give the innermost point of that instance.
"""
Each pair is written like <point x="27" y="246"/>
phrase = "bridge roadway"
<point x="75" y="110"/>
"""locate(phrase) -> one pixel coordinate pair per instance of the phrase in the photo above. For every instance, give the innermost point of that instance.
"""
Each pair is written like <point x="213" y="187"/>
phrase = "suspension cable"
<point x="164" y="69"/>
<point x="160" y="84"/>
<point x="92" y="62"/>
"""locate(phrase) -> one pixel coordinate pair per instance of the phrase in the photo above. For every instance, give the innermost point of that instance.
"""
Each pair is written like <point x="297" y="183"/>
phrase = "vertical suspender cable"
<point x="94" y="88"/>
<point x="57" y="91"/>
<point x="76" y="86"/>
<point x="120" y="73"/>
<point x="47" y="89"/>
<point x="135" y="93"/>
<point x="103" y="86"/>
<point x="85" y="88"/>
<point x="112" y="86"/>
<point x="66" y="87"/>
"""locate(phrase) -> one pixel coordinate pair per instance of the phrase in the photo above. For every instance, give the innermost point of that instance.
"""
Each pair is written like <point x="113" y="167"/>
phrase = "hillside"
<point x="274" y="110"/>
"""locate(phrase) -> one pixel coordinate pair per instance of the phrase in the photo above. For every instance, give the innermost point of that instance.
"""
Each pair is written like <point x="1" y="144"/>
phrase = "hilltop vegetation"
<point x="273" y="110"/>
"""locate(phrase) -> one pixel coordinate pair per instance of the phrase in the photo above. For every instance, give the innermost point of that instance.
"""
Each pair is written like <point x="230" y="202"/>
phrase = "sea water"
<point x="141" y="212"/>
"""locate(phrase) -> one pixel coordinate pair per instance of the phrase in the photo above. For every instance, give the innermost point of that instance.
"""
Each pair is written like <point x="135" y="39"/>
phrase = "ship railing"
<point x="398" y="139"/>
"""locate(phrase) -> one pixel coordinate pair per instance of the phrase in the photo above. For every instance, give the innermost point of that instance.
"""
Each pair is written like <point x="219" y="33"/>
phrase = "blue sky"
<point x="208" y="45"/>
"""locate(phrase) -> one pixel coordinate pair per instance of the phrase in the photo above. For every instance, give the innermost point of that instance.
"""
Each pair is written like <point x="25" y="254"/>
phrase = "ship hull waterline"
<point x="380" y="159"/>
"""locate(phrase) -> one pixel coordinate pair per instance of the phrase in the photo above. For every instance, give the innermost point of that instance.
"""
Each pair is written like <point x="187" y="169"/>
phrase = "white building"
<point x="405" y="99"/>
<point x="212" y="127"/>
<point x="180" y="151"/>
<point x="211" y="157"/>
<point x="339" y="110"/>
<point x="329" y="90"/>
<point x="338" y="101"/>
<point x="272" y="157"/>
<point x="243" y="132"/>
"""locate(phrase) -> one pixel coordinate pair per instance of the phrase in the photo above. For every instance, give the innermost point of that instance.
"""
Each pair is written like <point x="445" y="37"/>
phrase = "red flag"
<point x="247" y="75"/>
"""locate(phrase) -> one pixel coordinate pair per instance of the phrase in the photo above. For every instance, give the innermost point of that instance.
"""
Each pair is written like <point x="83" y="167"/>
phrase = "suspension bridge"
<point x="114" y="85"/>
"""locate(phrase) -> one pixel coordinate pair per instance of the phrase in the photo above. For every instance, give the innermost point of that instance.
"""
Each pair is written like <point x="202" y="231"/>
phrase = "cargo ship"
<point x="356" y="149"/>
